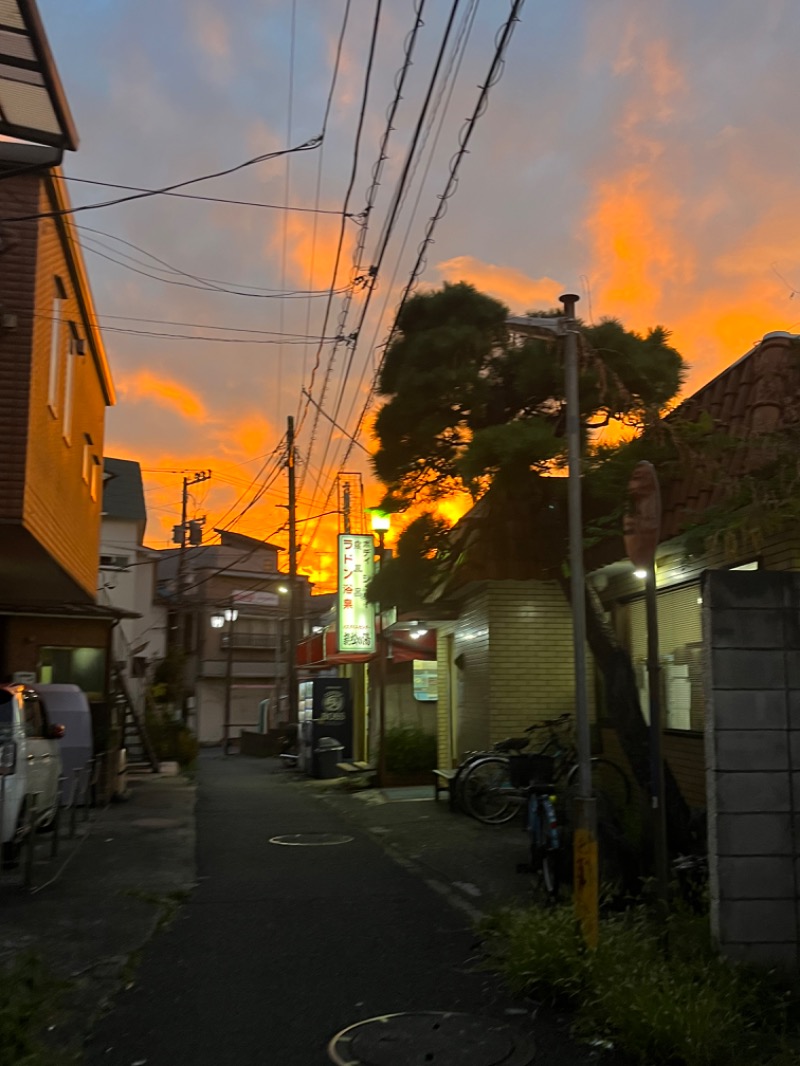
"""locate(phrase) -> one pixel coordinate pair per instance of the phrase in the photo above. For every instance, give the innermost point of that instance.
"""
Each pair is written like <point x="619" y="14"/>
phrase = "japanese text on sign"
<point x="356" y="625"/>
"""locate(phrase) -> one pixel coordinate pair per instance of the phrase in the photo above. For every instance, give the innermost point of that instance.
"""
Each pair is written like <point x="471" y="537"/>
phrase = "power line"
<point x="306" y="147"/>
<point x="193" y="196"/>
<point x="169" y="269"/>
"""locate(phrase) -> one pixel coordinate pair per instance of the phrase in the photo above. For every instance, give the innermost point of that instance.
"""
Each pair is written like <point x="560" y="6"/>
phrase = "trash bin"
<point x="327" y="754"/>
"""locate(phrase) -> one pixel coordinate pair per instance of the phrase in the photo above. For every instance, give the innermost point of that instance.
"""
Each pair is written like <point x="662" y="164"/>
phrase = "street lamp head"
<point x="284" y="591"/>
<point x="380" y="521"/>
<point x="217" y="621"/>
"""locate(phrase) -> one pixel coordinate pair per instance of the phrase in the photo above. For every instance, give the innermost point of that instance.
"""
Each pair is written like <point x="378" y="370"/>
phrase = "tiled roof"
<point x="760" y="393"/>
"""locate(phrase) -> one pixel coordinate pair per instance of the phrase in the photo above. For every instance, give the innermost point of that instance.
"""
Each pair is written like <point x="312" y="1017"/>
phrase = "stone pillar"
<point x="751" y="625"/>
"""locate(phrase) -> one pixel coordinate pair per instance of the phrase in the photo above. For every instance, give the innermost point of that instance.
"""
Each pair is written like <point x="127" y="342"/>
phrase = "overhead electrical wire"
<point x="286" y="193"/>
<point x="170" y="269"/>
<point x="318" y="190"/>
<point x="358" y="273"/>
<point x="503" y="38"/>
<point x="277" y="295"/>
<point x="391" y="218"/>
<point x="307" y="146"/>
<point x="197" y="196"/>
<point x="351" y="183"/>
<point x="448" y="86"/>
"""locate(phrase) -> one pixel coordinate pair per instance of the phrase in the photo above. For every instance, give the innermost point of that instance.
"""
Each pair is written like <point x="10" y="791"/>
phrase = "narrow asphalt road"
<point x="283" y="945"/>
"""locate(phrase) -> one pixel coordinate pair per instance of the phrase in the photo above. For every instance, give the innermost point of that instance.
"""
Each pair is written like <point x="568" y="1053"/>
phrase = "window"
<point x="115" y="562"/>
<point x="56" y="340"/>
<point x="33" y="715"/>
<point x="84" y="667"/>
<point x="680" y="647"/>
<point x="96" y="477"/>
<point x="86" y="468"/>
<point x="69" y="379"/>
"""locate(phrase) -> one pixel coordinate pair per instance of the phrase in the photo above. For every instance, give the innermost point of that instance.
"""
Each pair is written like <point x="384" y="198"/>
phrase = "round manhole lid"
<point x="431" y="1038"/>
<point x="310" y="840"/>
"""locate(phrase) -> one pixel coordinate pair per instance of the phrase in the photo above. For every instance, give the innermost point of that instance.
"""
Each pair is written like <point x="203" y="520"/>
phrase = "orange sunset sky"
<point x="642" y="154"/>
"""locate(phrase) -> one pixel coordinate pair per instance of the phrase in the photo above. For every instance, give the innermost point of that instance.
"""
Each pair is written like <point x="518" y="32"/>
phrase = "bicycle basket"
<point x="531" y="770"/>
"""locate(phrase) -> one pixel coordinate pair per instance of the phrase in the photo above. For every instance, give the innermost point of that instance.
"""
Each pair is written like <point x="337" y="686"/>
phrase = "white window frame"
<point x="95" y="478"/>
<point x="54" y="379"/>
<point x="69" y="383"/>
<point x="86" y="463"/>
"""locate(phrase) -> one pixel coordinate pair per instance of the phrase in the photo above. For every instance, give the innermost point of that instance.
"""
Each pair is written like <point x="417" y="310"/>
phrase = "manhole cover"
<point x="431" y="1038"/>
<point x="310" y="840"/>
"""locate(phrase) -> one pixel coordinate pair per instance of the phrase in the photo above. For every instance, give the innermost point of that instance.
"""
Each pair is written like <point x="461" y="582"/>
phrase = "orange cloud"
<point x="519" y="291"/>
<point x="145" y="386"/>
<point x="312" y="250"/>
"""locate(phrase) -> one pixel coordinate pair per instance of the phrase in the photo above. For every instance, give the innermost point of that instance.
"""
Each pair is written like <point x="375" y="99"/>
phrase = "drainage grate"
<point x="431" y="1038"/>
<point x="310" y="840"/>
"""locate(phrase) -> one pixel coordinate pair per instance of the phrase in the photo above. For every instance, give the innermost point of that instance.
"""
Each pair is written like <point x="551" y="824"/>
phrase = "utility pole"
<point x="179" y="534"/>
<point x="585" y="837"/>
<point x="291" y="671"/>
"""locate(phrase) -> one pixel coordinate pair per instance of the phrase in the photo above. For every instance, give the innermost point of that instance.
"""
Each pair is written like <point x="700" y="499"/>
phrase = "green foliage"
<point x="467" y="408"/>
<point x="172" y="740"/>
<point x="684" y="1004"/>
<point x="409" y="750"/>
<point x="404" y="580"/>
<point x="166" y="677"/>
<point x="30" y="999"/>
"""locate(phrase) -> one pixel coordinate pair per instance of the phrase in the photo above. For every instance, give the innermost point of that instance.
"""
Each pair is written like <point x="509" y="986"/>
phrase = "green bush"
<point x="409" y="749"/>
<point x="661" y="997"/>
<point x="171" y="738"/>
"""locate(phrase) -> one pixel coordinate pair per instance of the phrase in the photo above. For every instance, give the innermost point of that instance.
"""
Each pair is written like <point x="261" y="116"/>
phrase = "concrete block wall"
<point x="751" y="623"/>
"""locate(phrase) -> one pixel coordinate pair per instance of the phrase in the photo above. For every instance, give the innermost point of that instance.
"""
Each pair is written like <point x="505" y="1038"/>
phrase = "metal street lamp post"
<point x="585" y="838"/>
<point x="229" y="615"/>
<point x="381" y="523"/>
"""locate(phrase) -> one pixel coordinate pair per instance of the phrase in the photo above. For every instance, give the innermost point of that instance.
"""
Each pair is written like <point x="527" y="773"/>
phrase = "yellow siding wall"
<point x="58" y="509"/>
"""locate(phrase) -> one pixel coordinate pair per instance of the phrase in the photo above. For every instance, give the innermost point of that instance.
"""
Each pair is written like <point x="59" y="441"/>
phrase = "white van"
<point x="30" y="762"/>
<point x="69" y="705"/>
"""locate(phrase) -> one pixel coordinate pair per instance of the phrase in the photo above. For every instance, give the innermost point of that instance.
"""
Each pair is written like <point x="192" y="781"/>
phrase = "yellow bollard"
<point x="585" y="874"/>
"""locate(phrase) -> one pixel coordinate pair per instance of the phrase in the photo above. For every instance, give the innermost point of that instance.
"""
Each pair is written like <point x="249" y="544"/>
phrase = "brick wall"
<point x="752" y="634"/>
<point x="532" y="668"/>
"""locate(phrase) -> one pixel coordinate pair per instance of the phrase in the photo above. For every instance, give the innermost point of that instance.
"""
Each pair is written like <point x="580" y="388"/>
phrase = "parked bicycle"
<point x="533" y="780"/>
<point x="485" y="791"/>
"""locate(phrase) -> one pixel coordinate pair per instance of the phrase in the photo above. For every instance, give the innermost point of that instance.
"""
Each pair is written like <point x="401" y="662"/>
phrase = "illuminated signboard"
<point x="356" y="622"/>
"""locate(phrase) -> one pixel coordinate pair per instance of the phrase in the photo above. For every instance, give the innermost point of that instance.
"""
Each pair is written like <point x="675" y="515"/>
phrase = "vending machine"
<point x="325" y="709"/>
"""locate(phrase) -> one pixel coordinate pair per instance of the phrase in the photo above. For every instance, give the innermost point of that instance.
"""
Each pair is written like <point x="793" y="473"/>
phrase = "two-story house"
<point x="55" y="386"/>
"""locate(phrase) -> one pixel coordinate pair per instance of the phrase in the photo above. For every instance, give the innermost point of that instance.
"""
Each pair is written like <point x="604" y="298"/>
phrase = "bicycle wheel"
<point x="457" y="784"/>
<point x="544" y="857"/>
<point x="611" y="790"/>
<point x="484" y="786"/>
<point x="616" y="812"/>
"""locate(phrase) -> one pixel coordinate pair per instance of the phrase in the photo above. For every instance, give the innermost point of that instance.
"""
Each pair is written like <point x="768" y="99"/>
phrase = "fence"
<point x="88" y="787"/>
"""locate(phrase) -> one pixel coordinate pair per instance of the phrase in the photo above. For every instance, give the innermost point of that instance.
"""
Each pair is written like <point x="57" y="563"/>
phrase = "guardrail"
<point x="89" y="787"/>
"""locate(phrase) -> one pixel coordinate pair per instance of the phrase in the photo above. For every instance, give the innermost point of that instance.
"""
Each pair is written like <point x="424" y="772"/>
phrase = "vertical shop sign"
<point x="356" y="622"/>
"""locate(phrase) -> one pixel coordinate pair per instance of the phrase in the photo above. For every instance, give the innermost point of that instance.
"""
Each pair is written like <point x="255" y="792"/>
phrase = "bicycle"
<point x="533" y="780"/>
<point x="487" y="794"/>
<point x="502" y="748"/>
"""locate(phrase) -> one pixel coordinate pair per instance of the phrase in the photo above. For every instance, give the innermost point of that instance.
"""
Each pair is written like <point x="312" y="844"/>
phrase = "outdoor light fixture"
<point x="231" y="614"/>
<point x="642" y="574"/>
<point x="283" y="590"/>
<point x="217" y="621"/>
<point x="380" y="521"/>
<point x="415" y="634"/>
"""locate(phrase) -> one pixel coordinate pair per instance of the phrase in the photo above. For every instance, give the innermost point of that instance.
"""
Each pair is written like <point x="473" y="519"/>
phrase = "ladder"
<point x="134" y="723"/>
